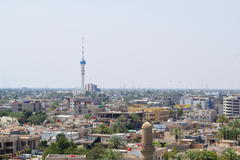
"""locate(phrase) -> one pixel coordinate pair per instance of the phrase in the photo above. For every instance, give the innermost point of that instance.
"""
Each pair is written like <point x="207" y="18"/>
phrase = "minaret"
<point x="82" y="63"/>
<point x="146" y="147"/>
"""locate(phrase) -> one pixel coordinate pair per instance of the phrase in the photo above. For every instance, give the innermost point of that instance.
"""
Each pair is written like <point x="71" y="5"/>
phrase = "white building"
<point x="193" y="101"/>
<point x="231" y="105"/>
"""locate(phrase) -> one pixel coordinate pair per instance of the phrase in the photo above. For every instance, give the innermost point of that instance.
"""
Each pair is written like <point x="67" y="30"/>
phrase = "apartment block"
<point x="207" y="116"/>
<point x="19" y="107"/>
<point x="231" y="105"/>
<point x="12" y="143"/>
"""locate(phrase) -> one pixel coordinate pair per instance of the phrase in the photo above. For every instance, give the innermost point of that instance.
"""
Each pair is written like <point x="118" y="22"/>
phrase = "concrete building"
<point x="231" y="105"/>
<point x="12" y="143"/>
<point x="19" y="107"/>
<point x="71" y="103"/>
<point x="65" y="157"/>
<point x="206" y="116"/>
<point x="193" y="101"/>
<point x="8" y="120"/>
<point x="154" y="114"/>
<point x="146" y="147"/>
<point x="92" y="88"/>
<point x="92" y="110"/>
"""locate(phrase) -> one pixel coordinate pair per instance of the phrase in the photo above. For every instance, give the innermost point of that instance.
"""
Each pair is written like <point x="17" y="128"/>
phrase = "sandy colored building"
<point x="154" y="114"/>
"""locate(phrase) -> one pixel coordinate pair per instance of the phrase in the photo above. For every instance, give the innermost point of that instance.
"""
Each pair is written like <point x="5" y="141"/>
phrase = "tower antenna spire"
<point x="82" y="48"/>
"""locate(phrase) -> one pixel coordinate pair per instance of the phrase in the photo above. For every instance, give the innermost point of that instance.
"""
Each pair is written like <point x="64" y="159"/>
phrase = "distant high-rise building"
<point x="82" y="63"/>
<point x="91" y="87"/>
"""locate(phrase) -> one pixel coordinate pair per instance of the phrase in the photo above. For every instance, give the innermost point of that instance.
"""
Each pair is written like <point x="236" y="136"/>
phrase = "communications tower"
<point x="82" y="63"/>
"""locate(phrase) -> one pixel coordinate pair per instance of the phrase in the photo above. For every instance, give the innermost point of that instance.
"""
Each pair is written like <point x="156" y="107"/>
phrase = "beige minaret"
<point x="147" y="148"/>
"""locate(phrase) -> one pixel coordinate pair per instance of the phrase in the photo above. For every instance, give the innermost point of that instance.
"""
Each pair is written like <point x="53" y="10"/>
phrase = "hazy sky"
<point x="132" y="42"/>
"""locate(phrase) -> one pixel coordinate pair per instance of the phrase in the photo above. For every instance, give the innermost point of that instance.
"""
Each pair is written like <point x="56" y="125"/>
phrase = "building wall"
<point x="92" y="111"/>
<point x="19" y="107"/>
<point x="231" y="106"/>
<point x="154" y="114"/>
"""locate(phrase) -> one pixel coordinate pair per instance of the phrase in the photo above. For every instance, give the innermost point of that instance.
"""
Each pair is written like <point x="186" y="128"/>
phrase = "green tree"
<point x="118" y="127"/>
<point x="102" y="129"/>
<point x="234" y="124"/>
<point x="112" y="154"/>
<point x="96" y="152"/>
<point x="135" y="117"/>
<point x="20" y="117"/>
<point x="87" y="116"/>
<point x="202" y="155"/>
<point x="165" y="118"/>
<point x="27" y="114"/>
<point x="180" y="112"/>
<point x="165" y="156"/>
<point x="43" y="144"/>
<point x="199" y="106"/>
<point x="87" y="93"/>
<point x="136" y="140"/>
<point x="230" y="154"/>
<point x="129" y="125"/>
<point x="235" y="132"/>
<point x="223" y="133"/>
<point x="16" y="97"/>
<point x="222" y="118"/>
<point x="116" y="142"/>
<point x="40" y="112"/>
<point x="53" y="119"/>
<point x="190" y="155"/>
<point x="2" y="101"/>
<point x="177" y="133"/>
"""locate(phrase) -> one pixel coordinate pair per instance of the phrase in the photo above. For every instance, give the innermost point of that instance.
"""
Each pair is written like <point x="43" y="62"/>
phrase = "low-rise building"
<point x="65" y="157"/>
<point x="12" y="143"/>
<point x="19" y="107"/>
<point x="206" y="116"/>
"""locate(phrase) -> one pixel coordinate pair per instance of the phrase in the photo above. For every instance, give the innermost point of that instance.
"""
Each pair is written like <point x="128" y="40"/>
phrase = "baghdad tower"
<point x="82" y="63"/>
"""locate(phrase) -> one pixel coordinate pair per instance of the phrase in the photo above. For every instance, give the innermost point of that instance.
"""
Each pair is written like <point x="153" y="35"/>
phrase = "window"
<point x="9" y="143"/>
<point x="89" y="111"/>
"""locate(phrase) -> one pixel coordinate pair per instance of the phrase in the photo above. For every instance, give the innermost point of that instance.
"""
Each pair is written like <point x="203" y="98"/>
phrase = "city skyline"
<point x="129" y="44"/>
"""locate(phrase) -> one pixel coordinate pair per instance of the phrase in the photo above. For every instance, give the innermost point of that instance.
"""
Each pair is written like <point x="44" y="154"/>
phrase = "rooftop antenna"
<point x="82" y="48"/>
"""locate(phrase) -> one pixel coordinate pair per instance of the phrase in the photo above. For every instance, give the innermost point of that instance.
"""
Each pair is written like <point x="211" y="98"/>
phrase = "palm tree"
<point x="102" y="129"/>
<point x="87" y="116"/>
<point x="121" y="118"/>
<point x="223" y="133"/>
<point x="135" y="117"/>
<point x="202" y="155"/>
<point x="111" y="154"/>
<point x="222" y="118"/>
<point x="177" y="133"/>
<point x="230" y="154"/>
<point x="179" y="156"/>
<point x="20" y="117"/>
<point x="235" y="132"/>
<point x="234" y="124"/>
<point x="190" y="155"/>
<point x="118" y="127"/>
<point x="116" y="142"/>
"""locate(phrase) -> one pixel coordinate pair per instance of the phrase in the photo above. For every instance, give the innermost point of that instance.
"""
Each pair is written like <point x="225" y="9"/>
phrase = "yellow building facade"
<point x="154" y="114"/>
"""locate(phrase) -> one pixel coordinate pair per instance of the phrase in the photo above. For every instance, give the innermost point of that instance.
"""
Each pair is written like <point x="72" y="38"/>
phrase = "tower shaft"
<point x="82" y="63"/>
